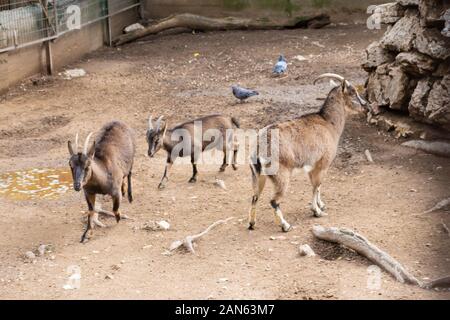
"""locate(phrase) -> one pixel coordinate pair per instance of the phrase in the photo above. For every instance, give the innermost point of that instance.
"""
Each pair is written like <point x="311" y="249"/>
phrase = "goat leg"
<point x="285" y="226"/>
<point x="194" y="173"/>
<point x="164" y="179"/>
<point x="89" y="226"/>
<point x="90" y="199"/>
<point x="116" y="204"/>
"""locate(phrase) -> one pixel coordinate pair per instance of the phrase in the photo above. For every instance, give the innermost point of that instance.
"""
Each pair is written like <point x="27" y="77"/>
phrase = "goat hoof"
<point x="161" y="186"/>
<point x="192" y="180"/>
<point x="286" y="227"/>
<point x="222" y="169"/>
<point x="117" y="218"/>
<point x="234" y="167"/>
<point x="319" y="214"/>
<point x="251" y="226"/>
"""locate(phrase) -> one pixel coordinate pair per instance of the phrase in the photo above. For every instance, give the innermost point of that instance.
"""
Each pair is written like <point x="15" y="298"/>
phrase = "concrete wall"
<point x="338" y="9"/>
<point x="22" y="63"/>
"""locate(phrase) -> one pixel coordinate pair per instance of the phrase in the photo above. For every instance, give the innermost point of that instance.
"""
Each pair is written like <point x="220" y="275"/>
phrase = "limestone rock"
<point x="438" y="107"/>
<point x="431" y="12"/>
<point x="389" y="13"/>
<point x="401" y="36"/>
<point x="407" y="3"/>
<point x="415" y="63"/>
<point x="430" y="41"/>
<point x="397" y="90"/>
<point x="446" y="17"/>
<point x="389" y="86"/>
<point x="376" y="55"/>
<point x="306" y="251"/>
<point x="430" y="101"/>
<point x="419" y="99"/>
<point x="376" y="84"/>
<point x="442" y="69"/>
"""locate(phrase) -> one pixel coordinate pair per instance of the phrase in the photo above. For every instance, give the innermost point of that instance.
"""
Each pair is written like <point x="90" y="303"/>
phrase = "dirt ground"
<point x="188" y="75"/>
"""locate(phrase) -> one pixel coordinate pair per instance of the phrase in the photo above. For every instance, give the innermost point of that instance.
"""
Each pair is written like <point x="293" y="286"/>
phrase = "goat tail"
<point x="236" y="122"/>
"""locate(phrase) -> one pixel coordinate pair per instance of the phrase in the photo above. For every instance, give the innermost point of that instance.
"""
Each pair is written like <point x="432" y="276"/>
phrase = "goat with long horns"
<point x="103" y="168"/>
<point x="308" y="142"/>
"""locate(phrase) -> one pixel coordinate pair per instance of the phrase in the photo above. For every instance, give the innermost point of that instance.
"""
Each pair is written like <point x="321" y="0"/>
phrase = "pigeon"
<point x="242" y="93"/>
<point x="280" y="66"/>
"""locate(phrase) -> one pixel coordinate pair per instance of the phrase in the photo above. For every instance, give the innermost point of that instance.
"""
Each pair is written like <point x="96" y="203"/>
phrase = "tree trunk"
<point x="196" y="22"/>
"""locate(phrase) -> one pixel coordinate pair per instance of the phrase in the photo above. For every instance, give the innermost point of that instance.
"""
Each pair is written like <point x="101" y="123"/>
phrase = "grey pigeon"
<point x="280" y="66"/>
<point x="242" y="93"/>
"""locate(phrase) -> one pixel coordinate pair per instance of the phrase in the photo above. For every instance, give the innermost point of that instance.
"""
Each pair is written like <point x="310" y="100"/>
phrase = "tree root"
<point x="440" y="205"/>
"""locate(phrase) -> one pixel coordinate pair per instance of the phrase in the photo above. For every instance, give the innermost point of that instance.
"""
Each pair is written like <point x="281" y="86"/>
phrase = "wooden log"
<point x="361" y="245"/>
<point x="196" y="22"/>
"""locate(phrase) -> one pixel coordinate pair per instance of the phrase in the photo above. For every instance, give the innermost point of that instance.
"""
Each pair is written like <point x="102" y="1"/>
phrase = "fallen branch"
<point x="195" y="22"/>
<point x="442" y="283"/>
<point x="439" y="148"/>
<point x="444" y="226"/>
<point x="188" y="242"/>
<point x="361" y="245"/>
<point x="440" y="205"/>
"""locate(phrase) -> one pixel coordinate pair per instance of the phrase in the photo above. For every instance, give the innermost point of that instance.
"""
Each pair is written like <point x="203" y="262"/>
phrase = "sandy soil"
<point x="163" y="76"/>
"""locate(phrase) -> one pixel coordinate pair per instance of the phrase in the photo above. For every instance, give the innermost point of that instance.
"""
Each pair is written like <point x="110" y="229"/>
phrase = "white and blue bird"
<point x="280" y="67"/>
<point x="242" y="93"/>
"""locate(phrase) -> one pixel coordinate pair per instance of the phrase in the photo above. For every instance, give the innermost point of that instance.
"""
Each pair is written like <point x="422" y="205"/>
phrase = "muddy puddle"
<point x="33" y="184"/>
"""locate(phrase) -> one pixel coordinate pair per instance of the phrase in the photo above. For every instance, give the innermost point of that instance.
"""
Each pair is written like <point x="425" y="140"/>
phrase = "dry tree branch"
<point x="188" y="242"/>
<point x="444" y="226"/>
<point x="361" y="245"/>
<point x="440" y="205"/>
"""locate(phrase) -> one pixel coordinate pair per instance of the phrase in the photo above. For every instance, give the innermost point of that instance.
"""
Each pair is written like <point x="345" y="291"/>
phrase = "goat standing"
<point x="309" y="142"/>
<point x="159" y="136"/>
<point x="103" y="168"/>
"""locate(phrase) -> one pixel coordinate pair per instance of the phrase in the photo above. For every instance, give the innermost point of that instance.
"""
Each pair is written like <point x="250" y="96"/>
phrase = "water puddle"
<point x="38" y="183"/>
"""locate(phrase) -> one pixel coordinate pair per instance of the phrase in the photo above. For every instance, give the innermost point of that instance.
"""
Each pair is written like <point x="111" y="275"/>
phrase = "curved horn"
<point x="150" y="124"/>
<point x="360" y="99"/>
<point x="330" y="75"/>
<point x="86" y="143"/>
<point x="76" y="143"/>
<point x="158" y="123"/>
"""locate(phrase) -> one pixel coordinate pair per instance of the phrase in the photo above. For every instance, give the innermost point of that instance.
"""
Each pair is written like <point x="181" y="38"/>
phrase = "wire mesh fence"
<point x="24" y="22"/>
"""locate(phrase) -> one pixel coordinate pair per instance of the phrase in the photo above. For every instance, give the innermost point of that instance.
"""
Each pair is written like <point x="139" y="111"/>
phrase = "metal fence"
<point x="26" y="22"/>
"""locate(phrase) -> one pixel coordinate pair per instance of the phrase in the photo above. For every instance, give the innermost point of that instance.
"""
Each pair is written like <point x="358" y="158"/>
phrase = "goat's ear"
<point x="91" y="151"/>
<point x="69" y="146"/>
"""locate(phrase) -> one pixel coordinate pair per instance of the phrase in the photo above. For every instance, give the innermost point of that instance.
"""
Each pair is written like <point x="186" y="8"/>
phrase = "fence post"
<point x="108" y="25"/>
<point x="48" y="45"/>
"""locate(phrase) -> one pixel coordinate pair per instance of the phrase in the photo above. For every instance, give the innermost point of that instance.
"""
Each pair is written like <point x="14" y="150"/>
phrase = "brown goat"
<point x="174" y="142"/>
<point x="103" y="168"/>
<point x="309" y="142"/>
